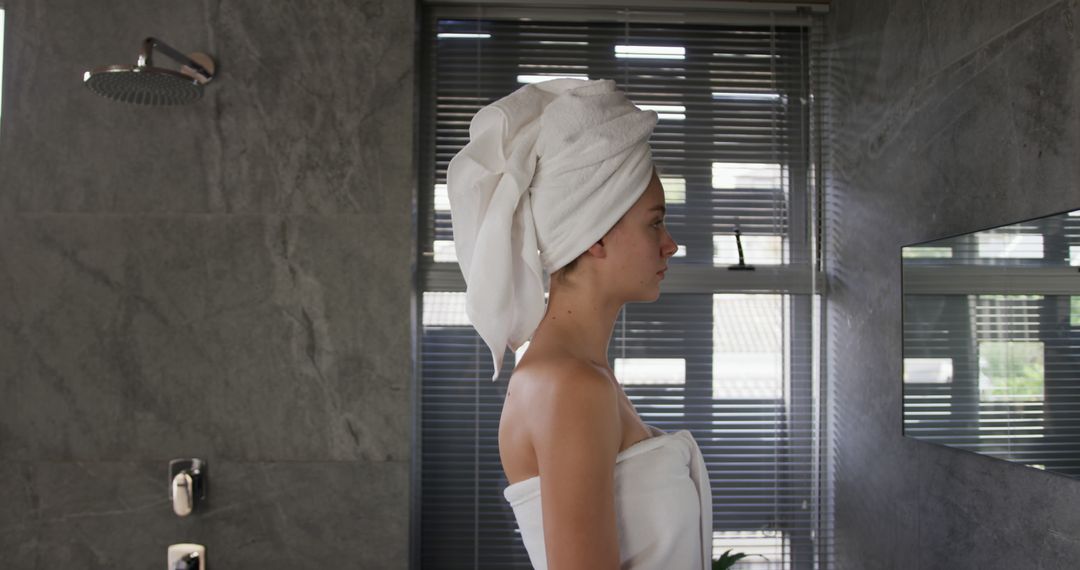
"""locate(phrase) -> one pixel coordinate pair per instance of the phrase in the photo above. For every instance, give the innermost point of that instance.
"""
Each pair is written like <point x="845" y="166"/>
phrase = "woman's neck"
<point x="579" y="322"/>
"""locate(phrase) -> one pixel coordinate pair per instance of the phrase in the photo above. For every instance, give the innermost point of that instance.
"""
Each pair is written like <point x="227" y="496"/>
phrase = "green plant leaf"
<point x="727" y="560"/>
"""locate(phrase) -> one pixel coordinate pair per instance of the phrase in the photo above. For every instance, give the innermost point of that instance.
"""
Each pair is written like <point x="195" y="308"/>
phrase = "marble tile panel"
<point x="978" y="512"/>
<point x="239" y="337"/>
<point x="106" y="515"/>
<point x="949" y="117"/>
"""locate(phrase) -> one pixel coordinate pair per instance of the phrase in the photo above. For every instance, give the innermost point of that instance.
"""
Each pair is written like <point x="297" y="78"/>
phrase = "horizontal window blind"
<point x="732" y="356"/>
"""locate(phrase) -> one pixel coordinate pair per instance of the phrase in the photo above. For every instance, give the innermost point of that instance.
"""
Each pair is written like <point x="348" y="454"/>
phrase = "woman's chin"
<point x="648" y="293"/>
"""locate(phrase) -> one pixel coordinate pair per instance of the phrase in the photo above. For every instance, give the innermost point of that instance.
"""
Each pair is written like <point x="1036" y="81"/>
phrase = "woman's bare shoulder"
<point x="565" y="395"/>
<point x="558" y="374"/>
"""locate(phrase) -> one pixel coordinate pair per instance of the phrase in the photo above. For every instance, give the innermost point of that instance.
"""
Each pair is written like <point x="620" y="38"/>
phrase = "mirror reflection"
<point x="991" y="330"/>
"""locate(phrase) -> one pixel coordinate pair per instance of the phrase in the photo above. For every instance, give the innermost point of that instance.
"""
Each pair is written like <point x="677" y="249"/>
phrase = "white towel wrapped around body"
<point x="547" y="171"/>
<point x="663" y="506"/>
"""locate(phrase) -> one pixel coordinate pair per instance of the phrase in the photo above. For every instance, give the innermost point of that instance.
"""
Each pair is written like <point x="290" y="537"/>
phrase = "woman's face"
<point x="638" y="247"/>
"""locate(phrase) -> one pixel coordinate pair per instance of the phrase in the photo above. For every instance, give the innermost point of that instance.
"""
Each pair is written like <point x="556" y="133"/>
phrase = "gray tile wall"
<point x="949" y="116"/>
<point x="226" y="280"/>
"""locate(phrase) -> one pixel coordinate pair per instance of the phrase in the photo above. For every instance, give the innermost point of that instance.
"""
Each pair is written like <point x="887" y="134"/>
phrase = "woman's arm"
<point x="576" y="436"/>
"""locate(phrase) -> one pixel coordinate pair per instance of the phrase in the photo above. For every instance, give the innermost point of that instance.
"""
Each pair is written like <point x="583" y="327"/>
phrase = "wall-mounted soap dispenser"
<point x="187" y="484"/>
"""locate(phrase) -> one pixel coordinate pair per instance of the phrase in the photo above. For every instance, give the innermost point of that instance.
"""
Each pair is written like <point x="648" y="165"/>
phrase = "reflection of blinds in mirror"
<point x="736" y="368"/>
<point x="1013" y="390"/>
<point x="1044" y="242"/>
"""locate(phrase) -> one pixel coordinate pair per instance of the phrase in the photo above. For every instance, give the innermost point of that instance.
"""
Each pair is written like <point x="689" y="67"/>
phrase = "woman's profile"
<point x="558" y="180"/>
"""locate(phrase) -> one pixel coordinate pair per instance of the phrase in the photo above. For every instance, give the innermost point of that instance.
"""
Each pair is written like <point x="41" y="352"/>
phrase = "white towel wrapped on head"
<point x="547" y="171"/>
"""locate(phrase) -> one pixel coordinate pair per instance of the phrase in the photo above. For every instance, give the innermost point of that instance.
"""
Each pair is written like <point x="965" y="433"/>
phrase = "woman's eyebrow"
<point x="661" y="207"/>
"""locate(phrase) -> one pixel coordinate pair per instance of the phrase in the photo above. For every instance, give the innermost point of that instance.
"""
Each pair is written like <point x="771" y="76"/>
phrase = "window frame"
<point x="802" y="283"/>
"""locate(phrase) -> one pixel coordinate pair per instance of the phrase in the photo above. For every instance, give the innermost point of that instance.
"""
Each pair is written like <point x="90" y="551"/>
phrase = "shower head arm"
<point x="145" y="57"/>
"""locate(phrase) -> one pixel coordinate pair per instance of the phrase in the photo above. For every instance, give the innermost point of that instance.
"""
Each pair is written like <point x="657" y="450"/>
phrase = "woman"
<point x="558" y="176"/>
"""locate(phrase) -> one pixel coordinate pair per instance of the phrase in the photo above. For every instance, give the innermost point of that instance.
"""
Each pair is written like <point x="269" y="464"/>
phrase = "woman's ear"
<point x="597" y="249"/>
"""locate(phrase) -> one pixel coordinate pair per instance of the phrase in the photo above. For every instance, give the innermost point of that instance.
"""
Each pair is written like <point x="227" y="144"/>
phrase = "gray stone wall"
<point x="950" y="116"/>
<point x="226" y="280"/>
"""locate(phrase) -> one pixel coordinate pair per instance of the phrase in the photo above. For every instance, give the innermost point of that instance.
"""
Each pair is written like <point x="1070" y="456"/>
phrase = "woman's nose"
<point x="670" y="247"/>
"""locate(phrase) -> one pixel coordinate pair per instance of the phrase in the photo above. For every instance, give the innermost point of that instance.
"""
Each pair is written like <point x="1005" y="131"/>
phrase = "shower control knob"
<point x="187" y="557"/>
<point x="182" y="498"/>
<point x="188" y="562"/>
<point x="187" y="484"/>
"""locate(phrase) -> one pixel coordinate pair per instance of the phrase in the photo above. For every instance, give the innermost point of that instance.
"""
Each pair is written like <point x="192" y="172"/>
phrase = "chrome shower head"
<point x="145" y="84"/>
<point x="142" y="85"/>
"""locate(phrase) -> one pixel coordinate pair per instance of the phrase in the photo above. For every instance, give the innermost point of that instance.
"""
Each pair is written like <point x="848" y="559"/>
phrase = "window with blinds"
<point x="731" y="355"/>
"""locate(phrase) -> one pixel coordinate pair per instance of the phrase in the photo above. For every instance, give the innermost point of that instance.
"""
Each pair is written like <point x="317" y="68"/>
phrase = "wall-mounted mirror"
<point x="991" y="342"/>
